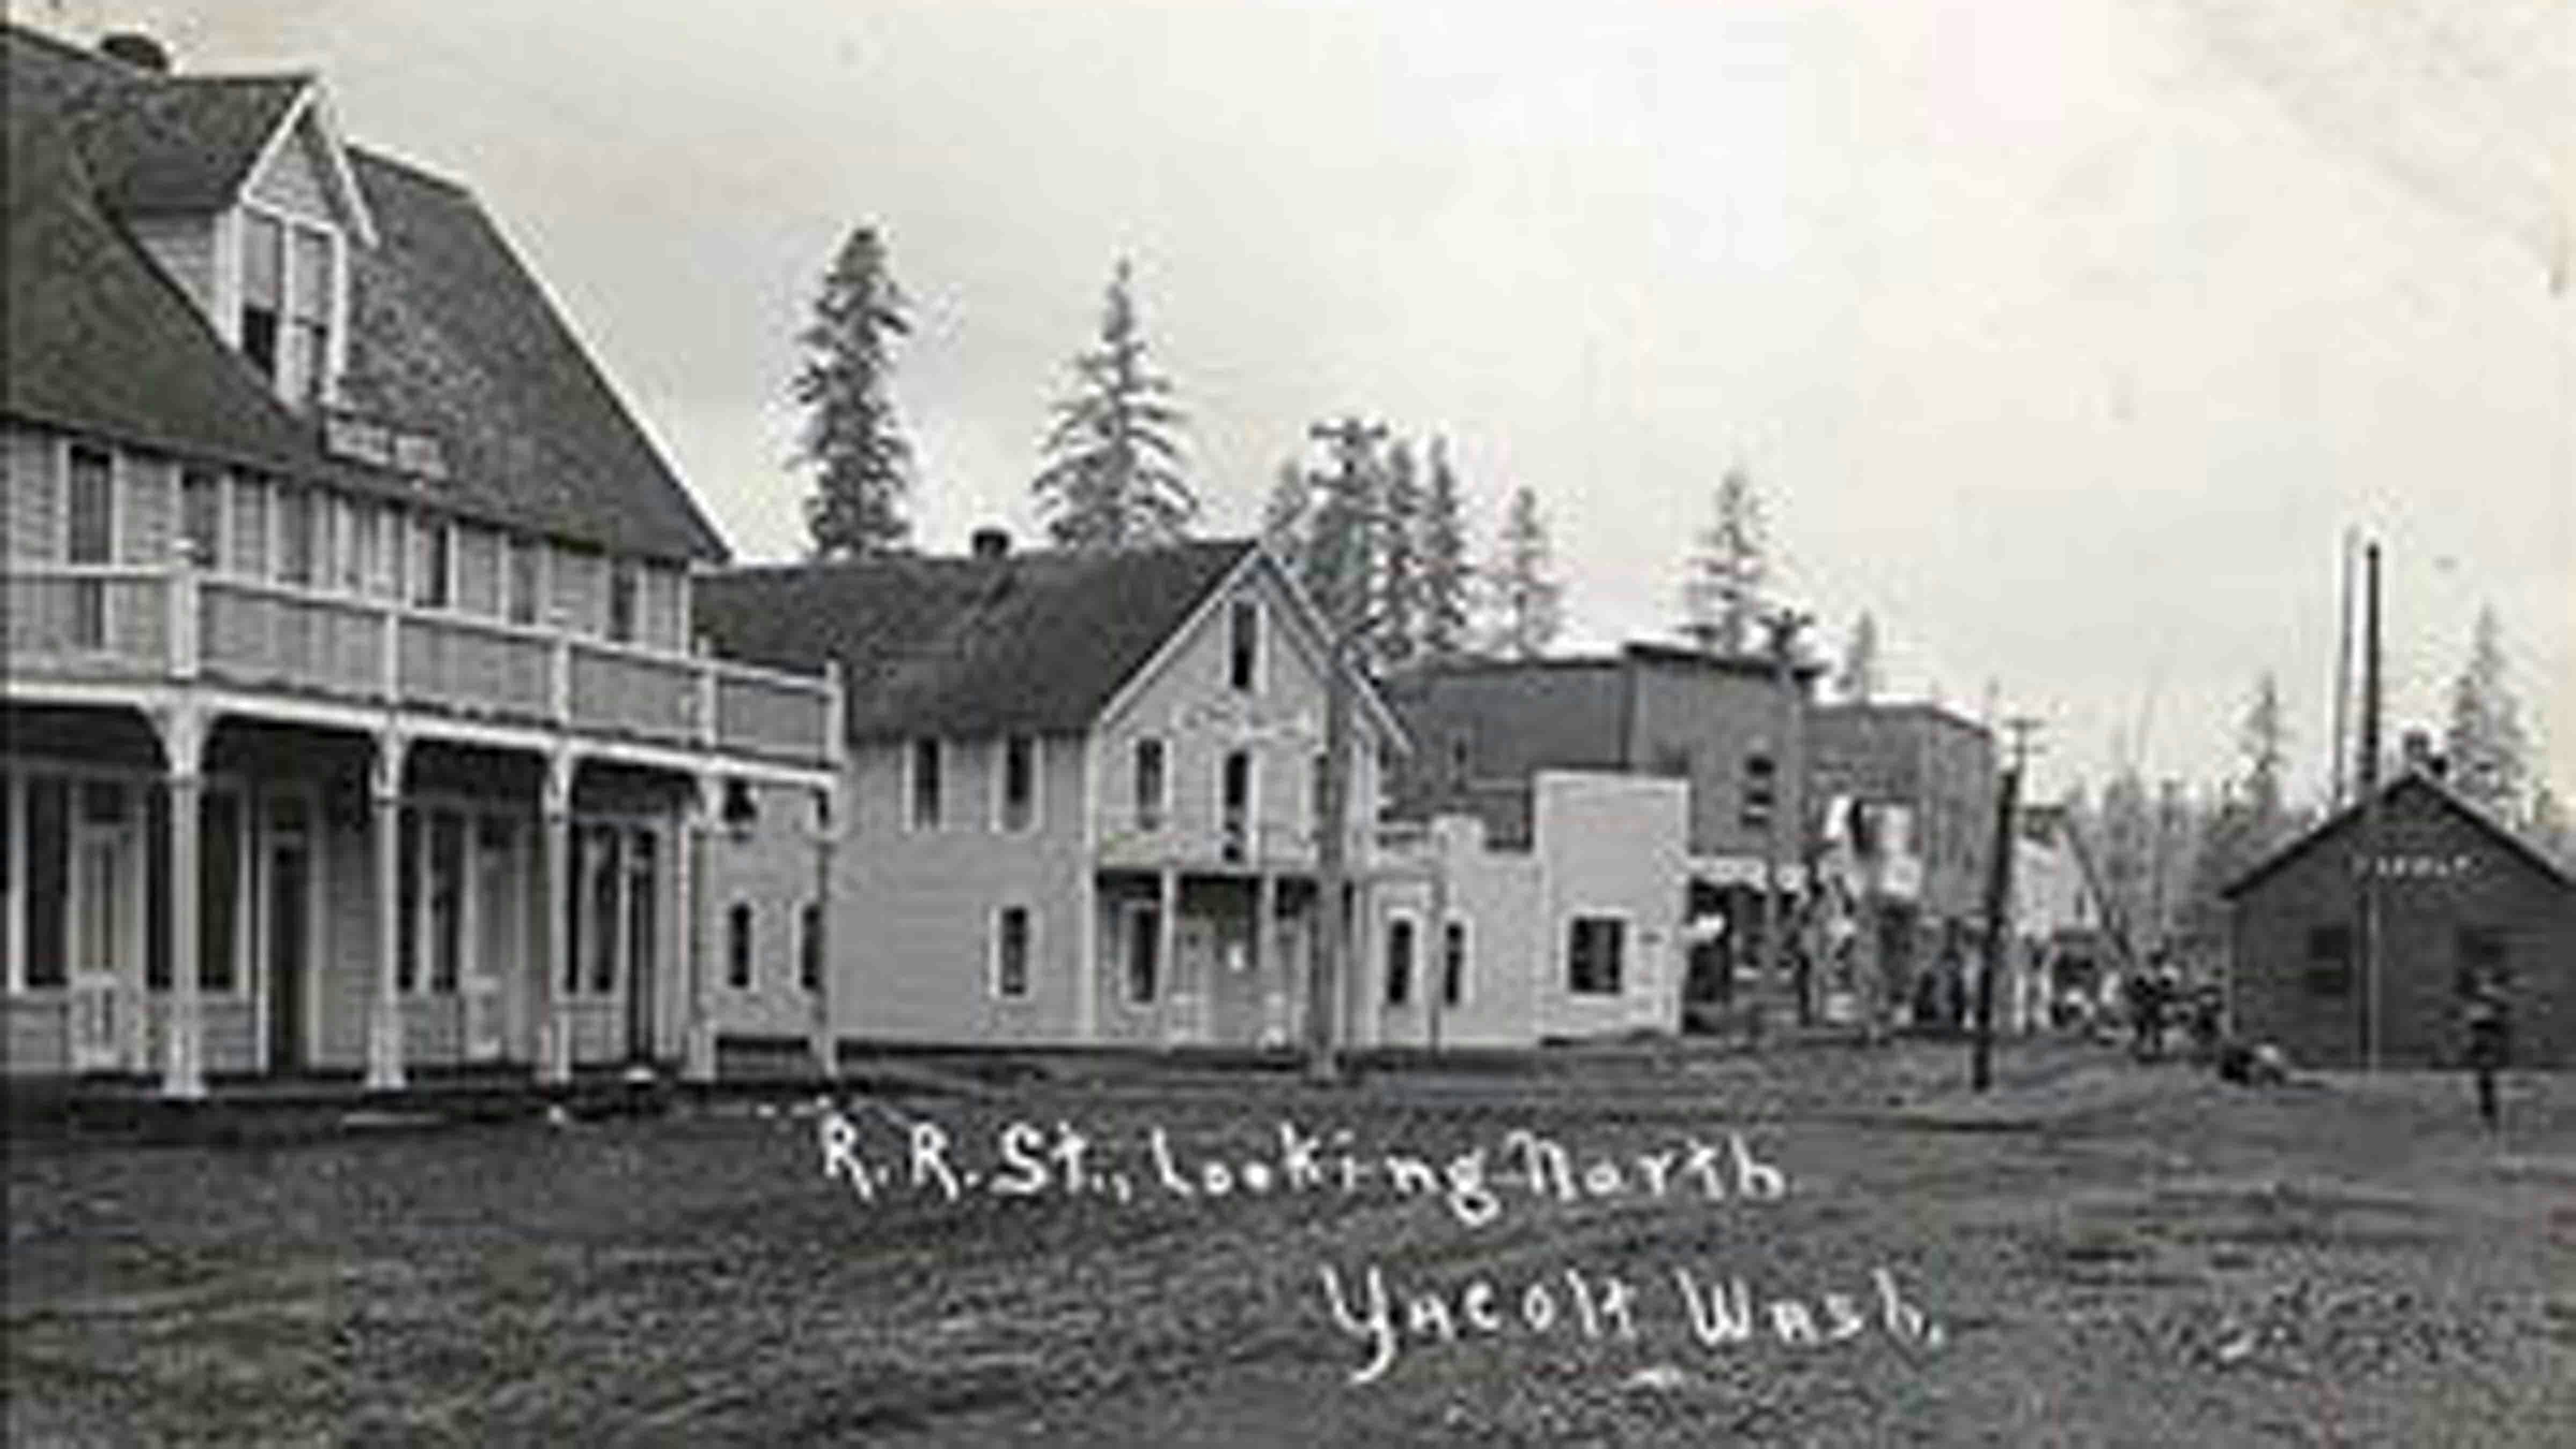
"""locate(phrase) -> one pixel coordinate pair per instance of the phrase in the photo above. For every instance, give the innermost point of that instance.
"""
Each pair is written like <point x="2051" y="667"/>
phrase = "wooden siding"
<point x="293" y="181"/>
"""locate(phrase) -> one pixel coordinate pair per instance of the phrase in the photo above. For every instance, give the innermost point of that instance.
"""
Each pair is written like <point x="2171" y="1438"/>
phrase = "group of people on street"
<point x="2158" y="1001"/>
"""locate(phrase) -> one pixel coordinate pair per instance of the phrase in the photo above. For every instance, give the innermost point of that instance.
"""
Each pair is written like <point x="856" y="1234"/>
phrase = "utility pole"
<point x="1999" y="877"/>
<point x="2366" y="775"/>
<point x="1783" y="626"/>
<point x="2341" y="750"/>
<point x="1354" y="444"/>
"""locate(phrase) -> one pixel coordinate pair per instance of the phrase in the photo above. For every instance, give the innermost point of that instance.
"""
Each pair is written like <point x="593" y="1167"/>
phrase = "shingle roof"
<point x="1029" y="643"/>
<point x="2409" y="781"/>
<point x="449" y="334"/>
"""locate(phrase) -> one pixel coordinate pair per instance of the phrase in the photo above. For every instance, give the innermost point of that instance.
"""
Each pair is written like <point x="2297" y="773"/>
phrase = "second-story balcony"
<point x="80" y="628"/>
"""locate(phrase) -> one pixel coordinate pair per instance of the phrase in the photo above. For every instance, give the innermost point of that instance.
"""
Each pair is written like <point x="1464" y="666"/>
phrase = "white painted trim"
<point x="1564" y="949"/>
<point x="224" y="295"/>
<point x="993" y="951"/>
<point x="311" y="104"/>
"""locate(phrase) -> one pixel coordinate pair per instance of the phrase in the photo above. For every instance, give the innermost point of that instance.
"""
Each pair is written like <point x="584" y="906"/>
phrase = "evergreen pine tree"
<point x="1112" y="475"/>
<point x="2488" y="751"/>
<point x="1395" y="622"/>
<point x="1447" y="576"/>
<point x="1286" y="518"/>
<point x="2263" y="743"/>
<point x="1722" y="592"/>
<point x="851" y="438"/>
<point x="1527" y="597"/>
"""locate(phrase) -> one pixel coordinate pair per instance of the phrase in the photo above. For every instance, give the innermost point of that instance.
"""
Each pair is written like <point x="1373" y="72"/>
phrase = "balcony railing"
<point x="1123" y="842"/>
<point x="141" y="624"/>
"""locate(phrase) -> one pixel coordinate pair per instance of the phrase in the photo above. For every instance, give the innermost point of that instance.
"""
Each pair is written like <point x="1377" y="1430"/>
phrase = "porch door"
<point x="500" y="934"/>
<point x="105" y="946"/>
<point x="1193" y="976"/>
<point x="1284" y="970"/>
<point x="642" y="940"/>
<point x="287" y="922"/>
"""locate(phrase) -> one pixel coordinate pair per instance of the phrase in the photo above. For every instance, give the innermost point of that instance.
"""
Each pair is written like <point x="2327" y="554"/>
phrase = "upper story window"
<point x="295" y="535"/>
<point x="1019" y="785"/>
<point x="1243" y="645"/>
<point x="1234" y="810"/>
<point x="433" y="546"/>
<point x="201" y="516"/>
<point x="1399" y="960"/>
<point x="622" y="585"/>
<point x="520" y="584"/>
<point x="1152" y="797"/>
<point x="289" y="295"/>
<point x="925" y="784"/>
<point x="90" y="528"/>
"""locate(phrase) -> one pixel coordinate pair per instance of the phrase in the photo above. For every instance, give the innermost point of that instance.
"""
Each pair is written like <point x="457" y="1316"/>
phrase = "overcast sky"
<point x="2066" y="337"/>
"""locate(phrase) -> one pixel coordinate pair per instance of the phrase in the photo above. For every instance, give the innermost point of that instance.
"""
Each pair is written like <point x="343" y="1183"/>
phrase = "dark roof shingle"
<point x="1029" y="643"/>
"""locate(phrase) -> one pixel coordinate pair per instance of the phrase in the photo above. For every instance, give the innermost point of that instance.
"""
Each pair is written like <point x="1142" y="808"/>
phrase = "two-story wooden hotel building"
<point x="352" y="716"/>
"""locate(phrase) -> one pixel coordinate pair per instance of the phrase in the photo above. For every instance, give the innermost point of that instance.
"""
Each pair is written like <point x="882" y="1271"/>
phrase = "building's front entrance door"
<point x="287" y="921"/>
<point x="105" y="945"/>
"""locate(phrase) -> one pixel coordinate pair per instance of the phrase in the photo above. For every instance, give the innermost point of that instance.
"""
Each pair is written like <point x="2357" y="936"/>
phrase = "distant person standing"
<point x="2484" y="1019"/>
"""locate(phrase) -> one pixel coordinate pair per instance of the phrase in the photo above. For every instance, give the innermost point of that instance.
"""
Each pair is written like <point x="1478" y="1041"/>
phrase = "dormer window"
<point x="290" y="277"/>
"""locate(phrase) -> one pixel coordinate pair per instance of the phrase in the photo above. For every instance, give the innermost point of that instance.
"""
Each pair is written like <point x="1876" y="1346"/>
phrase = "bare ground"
<point x="2112" y="1254"/>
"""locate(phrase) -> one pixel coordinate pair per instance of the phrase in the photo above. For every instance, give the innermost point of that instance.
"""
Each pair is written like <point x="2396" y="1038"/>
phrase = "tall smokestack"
<point x="2366" y="770"/>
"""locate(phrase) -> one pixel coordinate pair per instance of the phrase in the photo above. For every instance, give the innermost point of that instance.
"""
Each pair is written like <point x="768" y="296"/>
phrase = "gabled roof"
<point x="449" y="334"/>
<point x="2412" y="781"/>
<point x="1032" y="642"/>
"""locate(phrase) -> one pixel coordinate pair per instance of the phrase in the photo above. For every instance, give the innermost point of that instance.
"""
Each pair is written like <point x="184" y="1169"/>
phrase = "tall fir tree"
<point x="1112" y="472"/>
<point x="1286" y="518"/>
<point x="2489" y="753"/>
<point x="1343" y="544"/>
<point x="2548" y="826"/>
<point x="1527" y="599"/>
<point x="2263" y="744"/>
<point x="1395" y="621"/>
<point x="1858" y="679"/>
<point x="863" y="466"/>
<point x="1448" y="578"/>
<point x="1722" y="587"/>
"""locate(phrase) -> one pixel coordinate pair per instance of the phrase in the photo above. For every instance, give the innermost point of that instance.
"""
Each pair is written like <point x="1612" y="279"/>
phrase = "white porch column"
<point x="183" y="1069"/>
<point x="554" y="851"/>
<point x="385" y="1017"/>
<point x="1167" y="947"/>
<point x="697" y="824"/>
<point x="826" y="1033"/>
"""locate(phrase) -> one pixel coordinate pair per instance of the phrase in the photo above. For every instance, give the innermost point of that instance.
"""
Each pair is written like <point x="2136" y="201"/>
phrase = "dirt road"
<point x="1824" y="1246"/>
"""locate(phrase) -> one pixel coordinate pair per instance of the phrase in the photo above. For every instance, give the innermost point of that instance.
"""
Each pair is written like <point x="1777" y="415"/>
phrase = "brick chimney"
<point x="990" y="543"/>
<point x="136" y="49"/>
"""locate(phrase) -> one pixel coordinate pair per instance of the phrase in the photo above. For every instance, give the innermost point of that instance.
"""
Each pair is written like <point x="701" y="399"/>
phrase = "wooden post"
<point x="698" y="827"/>
<point x="555" y="852"/>
<point x="385" y="1019"/>
<point x="184" y="1032"/>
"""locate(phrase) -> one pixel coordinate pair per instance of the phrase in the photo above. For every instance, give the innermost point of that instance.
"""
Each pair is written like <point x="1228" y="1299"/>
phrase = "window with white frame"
<point x="295" y="535"/>
<point x="201" y="516"/>
<point x="738" y="946"/>
<point x="1234" y="804"/>
<point x="1595" y="951"/>
<point x="433" y="561"/>
<point x="924" y="772"/>
<point x="289" y="303"/>
<point x="1142" y="952"/>
<point x="1401" y="934"/>
<point x="1016" y="805"/>
<point x="519" y="584"/>
<point x="1243" y="645"/>
<point x="1153" y="787"/>
<point x="90" y="538"/>
<point x="1014" y="947"/>
<point x="622" y="586"/>
<point x="1453" y="962"/>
